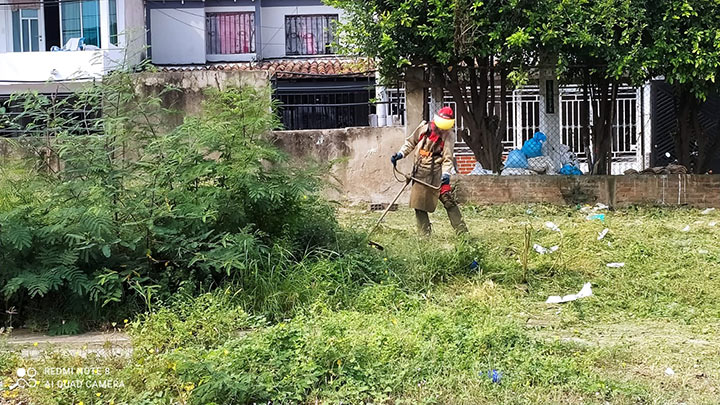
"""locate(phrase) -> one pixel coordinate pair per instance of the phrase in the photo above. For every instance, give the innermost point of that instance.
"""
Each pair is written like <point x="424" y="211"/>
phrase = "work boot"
<point x="453" y="212"/>
<point x="423" y="223"/>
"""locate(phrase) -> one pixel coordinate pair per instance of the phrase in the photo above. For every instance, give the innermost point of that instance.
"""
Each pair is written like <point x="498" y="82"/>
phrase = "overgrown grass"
<point x="415" y="324"/>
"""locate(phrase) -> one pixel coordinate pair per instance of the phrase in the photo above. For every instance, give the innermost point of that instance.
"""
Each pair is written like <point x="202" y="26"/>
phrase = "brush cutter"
<point x="408" y="179"/>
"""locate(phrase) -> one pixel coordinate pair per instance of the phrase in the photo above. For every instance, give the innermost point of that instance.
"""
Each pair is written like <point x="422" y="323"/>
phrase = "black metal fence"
<point x="47" y="114"/>
<point x="309" y="104"/>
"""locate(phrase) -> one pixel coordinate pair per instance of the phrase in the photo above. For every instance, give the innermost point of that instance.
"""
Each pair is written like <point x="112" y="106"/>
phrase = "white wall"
<point x="6" y="44"/>
<point x="131" y="27"/>
<point x="177" y="36"/>
<point x="273" y="26"/>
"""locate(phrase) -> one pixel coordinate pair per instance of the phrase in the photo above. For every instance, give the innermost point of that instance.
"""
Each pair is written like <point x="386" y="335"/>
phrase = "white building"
<point x="55" y="45"/>
<point x="198" y="32"/>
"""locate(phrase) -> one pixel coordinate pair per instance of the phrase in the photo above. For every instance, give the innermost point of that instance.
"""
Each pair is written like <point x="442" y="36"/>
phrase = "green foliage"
<point x="684" y="45"/>
<point x="115" y="213"/>
<point x="349" y="356"/>
<point x="65" y="327"/>
<point x="366" y="329"/>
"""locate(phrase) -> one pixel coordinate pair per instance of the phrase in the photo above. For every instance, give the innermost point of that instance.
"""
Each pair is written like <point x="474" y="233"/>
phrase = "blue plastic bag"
<point x="570" y="170"/>
<point x="516" y="159"/>
<point x="532" y="148"/>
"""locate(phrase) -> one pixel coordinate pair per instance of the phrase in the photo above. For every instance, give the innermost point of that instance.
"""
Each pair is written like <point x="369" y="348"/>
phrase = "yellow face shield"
<point x="443" y="123"/>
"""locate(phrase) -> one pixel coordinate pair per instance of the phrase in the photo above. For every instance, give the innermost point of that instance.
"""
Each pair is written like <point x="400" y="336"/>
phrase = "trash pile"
<point x="539" y="157"/>
<point x="669" y="169"/>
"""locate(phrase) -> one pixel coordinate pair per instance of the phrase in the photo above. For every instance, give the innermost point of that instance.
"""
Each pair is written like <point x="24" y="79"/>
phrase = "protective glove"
<point x="394" y="158"/>
<point x="445" y="178"/>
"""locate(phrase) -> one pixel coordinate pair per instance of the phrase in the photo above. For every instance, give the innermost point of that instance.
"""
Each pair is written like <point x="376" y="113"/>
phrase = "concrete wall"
<point x="6" y="34"/>
<point x="193" y="84"/>
<point x="131" y="27"/>
<point x="364" y="174"/>
<point x="615" y="191"/>
<point x="363" y="170"/>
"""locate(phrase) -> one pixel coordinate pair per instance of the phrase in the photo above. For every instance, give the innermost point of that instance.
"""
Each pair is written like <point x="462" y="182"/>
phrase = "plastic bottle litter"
<point x="551" y="226"/>
<point x="616" y="265"/>
<point x="707" y="211"/>
<point x="495" y="376"/>
<point x="602" y="234"/>
<point x="592" y="217"/>
<point x="586" y="291"/>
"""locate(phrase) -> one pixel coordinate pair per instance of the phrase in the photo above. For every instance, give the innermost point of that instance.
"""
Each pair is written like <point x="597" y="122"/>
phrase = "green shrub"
<point x="133" y="213"/>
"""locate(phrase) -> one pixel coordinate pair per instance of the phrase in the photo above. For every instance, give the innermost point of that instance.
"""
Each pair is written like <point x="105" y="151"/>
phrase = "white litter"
<point x="707" y="211"/>
<point x="669" y="371"/>
<point x="686" y="229"/>
<point x="713" y="223"/>
<point x="602" y="233"/>
<point x="541" y="250"/>
<point x="479" y="171"/>
<point x="703" y="251"/>
<point x="586" y="291"/>
<point x="551" y="226"/>
<point x="501" y="220"/>
<point x="600" y="206"/>
<point x="616" y="265"/>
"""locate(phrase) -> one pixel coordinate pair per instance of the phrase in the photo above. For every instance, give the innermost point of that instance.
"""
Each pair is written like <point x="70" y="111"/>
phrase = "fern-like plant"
<point x="114" y="212"/>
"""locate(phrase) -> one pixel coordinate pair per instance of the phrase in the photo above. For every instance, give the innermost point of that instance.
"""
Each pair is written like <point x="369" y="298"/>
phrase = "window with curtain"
<point x="310" y="34"/>
<point x="230" y="33"/>
<point x="81" y="19"/>
<point x="26" y="30"/>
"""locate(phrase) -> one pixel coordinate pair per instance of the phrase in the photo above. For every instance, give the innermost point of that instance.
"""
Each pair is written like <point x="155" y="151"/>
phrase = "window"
<point x="113" y="22"/>
<point x="230" y="33"/>
<point x="26" y="34"/>
<point x="310" y="34"/>
<point x="81" y="19"/>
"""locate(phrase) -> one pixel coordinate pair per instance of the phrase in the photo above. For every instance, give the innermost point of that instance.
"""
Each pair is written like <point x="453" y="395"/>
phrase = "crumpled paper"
<point x="586" y="291"/>
<point x="542" y="250"/>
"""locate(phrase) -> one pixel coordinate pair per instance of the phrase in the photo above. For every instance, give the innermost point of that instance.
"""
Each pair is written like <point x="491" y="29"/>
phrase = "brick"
<point x="695" y="190"/>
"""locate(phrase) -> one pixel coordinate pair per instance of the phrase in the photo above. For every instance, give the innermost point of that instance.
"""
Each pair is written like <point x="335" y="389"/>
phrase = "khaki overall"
<point x="432" y="159"/>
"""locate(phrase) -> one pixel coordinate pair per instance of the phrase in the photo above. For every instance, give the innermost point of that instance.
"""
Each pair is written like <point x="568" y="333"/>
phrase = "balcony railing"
<point x="21" y="69"/>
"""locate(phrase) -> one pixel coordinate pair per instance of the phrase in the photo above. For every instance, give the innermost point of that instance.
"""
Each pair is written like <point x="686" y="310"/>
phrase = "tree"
<point x="599" y="44"/>
<point x="468" y="47"/>
<point x="686" y="51"/>
<point x="465" y="46"/>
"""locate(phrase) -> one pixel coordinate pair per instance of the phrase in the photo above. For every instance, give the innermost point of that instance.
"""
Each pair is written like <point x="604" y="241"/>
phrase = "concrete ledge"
<point x="616" y="191"/>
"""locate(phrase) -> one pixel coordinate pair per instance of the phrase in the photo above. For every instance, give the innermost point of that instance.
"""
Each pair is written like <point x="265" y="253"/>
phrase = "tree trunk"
<point x="483" y="132"/>
<point x="606" y="95"/>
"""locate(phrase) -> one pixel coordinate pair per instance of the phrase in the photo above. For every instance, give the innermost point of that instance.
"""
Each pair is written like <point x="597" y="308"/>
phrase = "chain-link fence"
<point x="560" y="140"/>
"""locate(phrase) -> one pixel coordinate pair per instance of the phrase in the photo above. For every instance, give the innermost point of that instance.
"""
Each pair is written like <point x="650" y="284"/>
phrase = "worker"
<point x="433" y="144"/>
